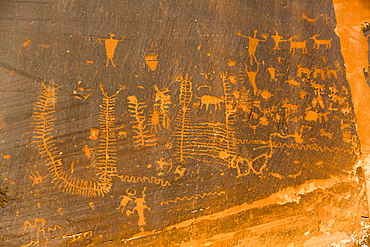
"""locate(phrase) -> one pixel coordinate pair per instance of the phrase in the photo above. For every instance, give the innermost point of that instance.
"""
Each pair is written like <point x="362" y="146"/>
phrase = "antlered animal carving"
<point x="318" y="42"/>
<point x="294" y="45"/>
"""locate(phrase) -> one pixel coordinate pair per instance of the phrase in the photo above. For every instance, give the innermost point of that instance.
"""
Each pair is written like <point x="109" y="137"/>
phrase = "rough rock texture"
<point x="181" y="123"/>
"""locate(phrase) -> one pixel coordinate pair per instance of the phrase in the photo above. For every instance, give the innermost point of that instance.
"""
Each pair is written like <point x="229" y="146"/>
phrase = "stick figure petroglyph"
<point x="253" y="43"/>
<point x="110" y="47"/>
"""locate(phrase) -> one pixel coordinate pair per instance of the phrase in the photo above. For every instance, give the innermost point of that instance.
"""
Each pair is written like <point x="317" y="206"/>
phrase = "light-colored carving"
<point x="107" y="151"/>
<point x="162" y="103"/>
<point x="187" y="198"/>
<point x="302" y="70"/>
<point x="272" y="72"/>
<point x="151" y="59"/>
<point x="36" y="178"/>
<point x="208" y="100"/>
<point x="142" y="137"/>
<point x="110" y="47"/>
<point x="40" y="225"/>
<point x="243" y="100"/>
<point x="305" y="17"/>
<point x="252" y="45"/>
<point x="265" y="94"/>
<point x="289" y="107"/>
<point x="326" y="18"/>
<point x="327" y="134"/>
<point x="320" y="72"/>
<point x="331" y="72"/>
<point x="43" y="127"/>
<point x="294" y="45"/>
<point x="182" y="119"/>
<point x="163" y="166"/>
<point x="140" y="208"/>
<point x="252" y="77"/>
<point x="126" y="199"/>
<point x="292" y="82"/>
<point x="318" y="42"/>
<point x="143" y="179"/>
<point x="277" y="38"/>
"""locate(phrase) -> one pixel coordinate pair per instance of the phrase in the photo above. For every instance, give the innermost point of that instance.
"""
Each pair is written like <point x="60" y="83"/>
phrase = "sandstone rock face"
<point x="180" y="123"/>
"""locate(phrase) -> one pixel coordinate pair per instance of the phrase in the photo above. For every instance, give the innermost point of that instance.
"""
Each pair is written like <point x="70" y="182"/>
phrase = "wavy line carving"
<point x="192" y="197"/>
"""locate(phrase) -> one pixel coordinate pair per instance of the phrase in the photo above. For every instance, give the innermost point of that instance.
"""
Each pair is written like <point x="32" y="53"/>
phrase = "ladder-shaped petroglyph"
<point x="204" y="139"/>
<point x="142" y="137"/>
<point x="44" y="123"/>
<point x="183" y="119"/>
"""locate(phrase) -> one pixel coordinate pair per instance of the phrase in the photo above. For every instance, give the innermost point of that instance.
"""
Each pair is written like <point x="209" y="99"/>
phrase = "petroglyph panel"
<point x="136" y="118"/>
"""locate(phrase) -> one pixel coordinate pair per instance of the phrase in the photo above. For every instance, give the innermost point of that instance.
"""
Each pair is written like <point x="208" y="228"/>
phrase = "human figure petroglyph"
<point x="252" y="77"/>
<point x="40" y="224"/>
<point x="110" y="47"/>
<point x="277" y="38"/>
<point x="273" y="74"/>
<point x="140" y="208"/>
<point x="253" y="44"/>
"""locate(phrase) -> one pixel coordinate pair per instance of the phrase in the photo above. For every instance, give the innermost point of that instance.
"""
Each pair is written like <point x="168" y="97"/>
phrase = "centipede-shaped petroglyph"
<point x="44" y="123"/>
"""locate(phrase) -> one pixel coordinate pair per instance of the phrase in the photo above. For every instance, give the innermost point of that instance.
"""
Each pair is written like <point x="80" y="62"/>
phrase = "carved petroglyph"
<point x="253" y="44"/>
<point x="187" y="198"/>
<point x="252" y="77"/>
<point x="151" y="59"/>
<point x="278" y="39"/>
<point x="318" y="42"/>
<point x="36" y="178"/>
<point x="305" y="17"/>
<point x="331" y="72"/>
<point x="45" y="144"/>
<point x="273" y="74"/>
<point x="319" y="72"/>
<point x="140" y="209"/>
<point x="126" y="199"/>
<point x="302" y="70"/>
<point x="294" y="45"/>
<point x="40" y="225"/>
<point x="162" y="103"/>
<point x="142" y="137"/>
<point x="110" y="47"/>
<point x="292" y="82"/>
